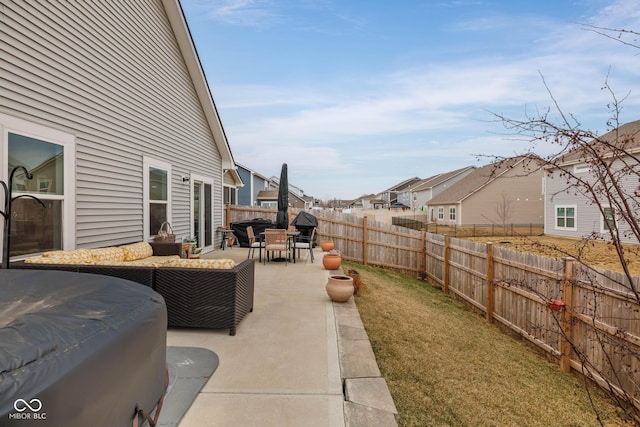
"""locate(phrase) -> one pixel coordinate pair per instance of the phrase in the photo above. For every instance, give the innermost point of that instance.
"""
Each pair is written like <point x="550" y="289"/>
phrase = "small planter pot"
<point x="326" y="245"/>
<point x="332" y="261"/>
<point x="339" y="288"/>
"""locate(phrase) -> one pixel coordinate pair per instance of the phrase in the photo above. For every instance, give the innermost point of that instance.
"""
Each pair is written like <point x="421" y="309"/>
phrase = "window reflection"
<point x="44" y="160"/>
<point x="34" y="228"/>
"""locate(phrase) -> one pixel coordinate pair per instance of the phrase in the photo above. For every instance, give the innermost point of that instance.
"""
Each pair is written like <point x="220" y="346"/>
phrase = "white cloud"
<point x="427" y="116"/>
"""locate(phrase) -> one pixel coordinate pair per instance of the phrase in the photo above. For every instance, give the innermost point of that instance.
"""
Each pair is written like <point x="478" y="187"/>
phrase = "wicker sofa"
<point x="214" y="294"/>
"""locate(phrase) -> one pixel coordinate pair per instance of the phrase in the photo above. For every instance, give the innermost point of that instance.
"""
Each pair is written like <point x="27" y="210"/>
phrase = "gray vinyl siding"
<point x="111" y="73"/>
<point x="588" y="218"/>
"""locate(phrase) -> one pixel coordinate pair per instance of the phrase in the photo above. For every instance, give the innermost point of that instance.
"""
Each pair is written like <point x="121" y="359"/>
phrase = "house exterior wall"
<point x="244" y="193"/>
<point x="259" y="184"/>
<point x="523" y="194"/>
<point x="521" y="189"/>
<point x="110" y="73"/>
<point x="423" y="197"/>
<point x="588" y="219"/>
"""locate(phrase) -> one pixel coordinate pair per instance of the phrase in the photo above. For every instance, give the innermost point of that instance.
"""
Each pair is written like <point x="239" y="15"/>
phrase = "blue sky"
<point x="357" y="96"/>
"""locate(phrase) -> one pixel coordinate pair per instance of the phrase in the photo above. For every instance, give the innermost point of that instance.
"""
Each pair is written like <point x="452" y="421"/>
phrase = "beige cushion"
<point x="137" y="251"/>
<point x="154" y="261"/>
<point x="77" y="256"/>
<point x="201" y="263"/>
<point x="107" y="254"/>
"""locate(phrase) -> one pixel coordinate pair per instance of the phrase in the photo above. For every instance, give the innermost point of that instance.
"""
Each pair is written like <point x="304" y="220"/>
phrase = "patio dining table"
<point x="291" y="238"/>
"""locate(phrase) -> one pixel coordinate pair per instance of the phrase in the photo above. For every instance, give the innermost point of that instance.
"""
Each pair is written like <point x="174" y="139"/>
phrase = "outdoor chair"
<point x="276" y="240"/>
<point x="253" y="243"/>
<point x="305" y="242"/>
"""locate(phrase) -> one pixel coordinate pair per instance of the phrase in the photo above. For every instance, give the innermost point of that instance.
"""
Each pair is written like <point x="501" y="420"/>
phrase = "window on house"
<point x="566" y="217"/>
<point x="157" y="184"/>
<point x="584" y="167"/>
<point x="608" y="222"/>
<point x="35" y="228"/>
<point x="452" y="213"/>
<point x="270" y="205"/>
<point x="229" y="196"/>
<point x="441" y="213"/>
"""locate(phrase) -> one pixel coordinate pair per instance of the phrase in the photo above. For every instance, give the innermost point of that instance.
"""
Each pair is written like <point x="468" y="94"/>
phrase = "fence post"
<point x="490" y="282"/>
<point x="364" y="240"/>
<point x="423" y="256"/>
<point x="445" y="267"/>
<point x="566" y="321"/>
<point x="227" y="216"/>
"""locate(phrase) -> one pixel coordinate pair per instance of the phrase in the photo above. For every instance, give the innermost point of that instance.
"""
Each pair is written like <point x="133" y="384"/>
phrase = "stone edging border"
<point x="367" y="398"/>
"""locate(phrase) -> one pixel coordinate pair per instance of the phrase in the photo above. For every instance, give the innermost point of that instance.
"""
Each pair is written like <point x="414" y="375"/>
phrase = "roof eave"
<point x="187" y="48"/>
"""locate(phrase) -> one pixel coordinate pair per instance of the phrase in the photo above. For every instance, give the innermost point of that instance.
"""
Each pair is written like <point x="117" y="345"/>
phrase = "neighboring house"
<point x="269" y="199"/>
<point x="274" y="183"/>
<point x="368" y="202"/>
<point x="506" y="192"/>
<point x="108" y="106"/>
<point x="420" y="193"/>
<point x="254" y="183"/>
<point x="390" y="195"/>
<point x="571" y="213"/>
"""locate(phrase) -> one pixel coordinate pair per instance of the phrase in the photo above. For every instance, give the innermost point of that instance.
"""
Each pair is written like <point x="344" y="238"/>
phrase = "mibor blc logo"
<point x="27" y="410"/>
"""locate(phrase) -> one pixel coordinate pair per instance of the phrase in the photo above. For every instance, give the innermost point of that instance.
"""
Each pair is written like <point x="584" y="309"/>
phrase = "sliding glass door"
<point x="202" y="212"/>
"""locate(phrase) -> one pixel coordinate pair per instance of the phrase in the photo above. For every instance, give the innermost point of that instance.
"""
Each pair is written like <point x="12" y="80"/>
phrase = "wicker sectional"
<point x="195" y="297"/>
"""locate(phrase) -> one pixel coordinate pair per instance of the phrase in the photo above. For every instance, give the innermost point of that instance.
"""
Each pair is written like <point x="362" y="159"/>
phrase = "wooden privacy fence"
<point x="588" y="318"/>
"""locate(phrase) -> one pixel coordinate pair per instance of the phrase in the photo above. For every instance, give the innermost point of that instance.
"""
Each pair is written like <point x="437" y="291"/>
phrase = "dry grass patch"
<point x="446" y="366"/>
<point x="595" y="253"/>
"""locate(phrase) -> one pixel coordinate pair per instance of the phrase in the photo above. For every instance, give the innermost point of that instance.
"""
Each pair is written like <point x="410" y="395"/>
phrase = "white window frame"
<point x="603" y="220"/>
<point x="581" y="168"/>
<point x="575" y="217"/>
<point x="452" y="213"/>
<point x="203" y="180"/>
<point x="148" y="162"/>
<point x="269" y="204"/>
<point x="9" y="124"/>
<point x="440" y="213"/>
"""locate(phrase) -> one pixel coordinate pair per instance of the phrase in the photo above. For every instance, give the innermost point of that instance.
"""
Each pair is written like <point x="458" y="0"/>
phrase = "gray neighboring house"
<point x="269" y="199"/>
<point x="570" y="214"/>
<point x="509" y="192"/>
<point x="418" y="194"/>
<point x="107" y="103"/>
<point x="390" y="195"/>
<point x="254" y="184"/>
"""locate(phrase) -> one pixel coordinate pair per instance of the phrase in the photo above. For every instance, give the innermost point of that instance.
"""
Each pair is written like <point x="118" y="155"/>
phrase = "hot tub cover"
<point x="78" y="349"/>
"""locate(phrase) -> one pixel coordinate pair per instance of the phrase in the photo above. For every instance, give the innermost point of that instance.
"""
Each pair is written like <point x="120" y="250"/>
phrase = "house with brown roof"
<point x="571" y="211"/>
<point x="390" y="195"/>
<point x="111" y="112"/>
<point x="419" y="193"/>
<point x="509" y="191"/>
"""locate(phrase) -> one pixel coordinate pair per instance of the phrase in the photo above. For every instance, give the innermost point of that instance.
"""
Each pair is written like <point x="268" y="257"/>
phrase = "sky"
<point x="356" y="96"/>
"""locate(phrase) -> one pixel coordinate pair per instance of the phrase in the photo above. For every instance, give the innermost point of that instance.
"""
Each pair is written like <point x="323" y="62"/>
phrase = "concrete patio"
<point x="297" y="360"/>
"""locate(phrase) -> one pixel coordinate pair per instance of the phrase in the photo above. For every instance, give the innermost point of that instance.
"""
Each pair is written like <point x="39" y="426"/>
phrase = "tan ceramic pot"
<point x="326" y="245"/>
<point x="339" y="288"/>
<point x="331" y="261"/>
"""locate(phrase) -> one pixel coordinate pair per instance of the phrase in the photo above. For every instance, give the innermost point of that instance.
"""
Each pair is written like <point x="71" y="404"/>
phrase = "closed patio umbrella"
<point x="282" y="217"/>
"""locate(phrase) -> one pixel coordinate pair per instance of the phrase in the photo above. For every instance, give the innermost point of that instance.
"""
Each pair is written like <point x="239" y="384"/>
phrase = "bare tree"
<point x="504" y="209"/>
<point x="608" y="179"/>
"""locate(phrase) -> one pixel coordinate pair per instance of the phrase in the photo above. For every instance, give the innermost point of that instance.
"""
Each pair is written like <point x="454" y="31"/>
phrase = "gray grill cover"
<point x="88" y="348"/>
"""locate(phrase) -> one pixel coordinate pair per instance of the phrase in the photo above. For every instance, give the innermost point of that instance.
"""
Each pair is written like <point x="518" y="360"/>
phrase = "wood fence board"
<point x="604" y="312"/>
